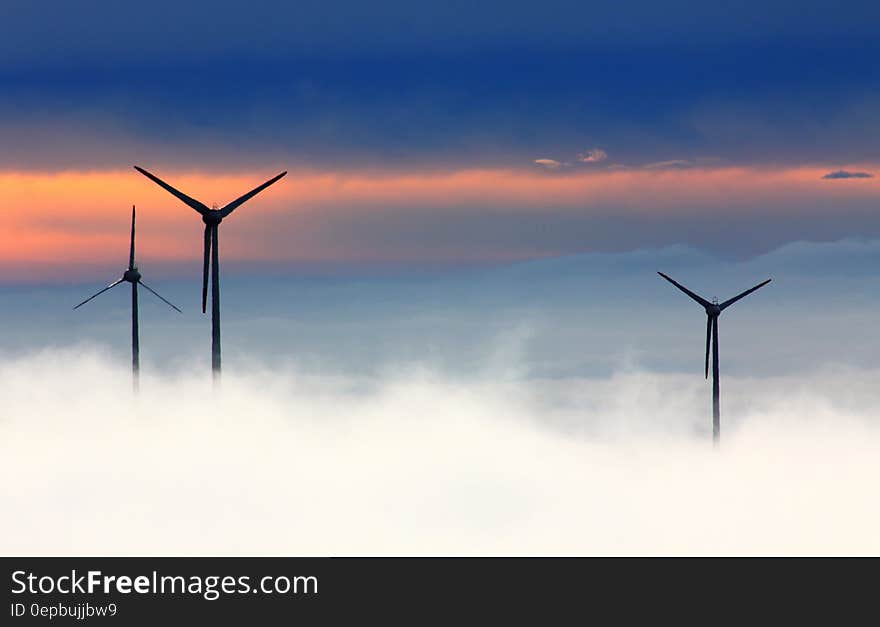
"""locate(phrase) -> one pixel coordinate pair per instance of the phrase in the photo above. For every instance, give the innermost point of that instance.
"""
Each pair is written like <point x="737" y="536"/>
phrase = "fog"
<point x="281" y="462"/>
<point x="556" y="407"/>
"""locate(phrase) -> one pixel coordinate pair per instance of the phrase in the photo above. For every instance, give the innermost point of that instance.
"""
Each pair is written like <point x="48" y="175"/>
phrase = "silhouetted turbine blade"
<point x="205" y="267"/>
<point x="155" y="293"/>
<point x="699" y="299"/>
<point x="225" y="211"/>
<point x="729" y="302"/>
<point x="708" y="341"/>
<point x="192" y="202"/>
<point x="131" y="250"/>
<point x="114" y="284"/>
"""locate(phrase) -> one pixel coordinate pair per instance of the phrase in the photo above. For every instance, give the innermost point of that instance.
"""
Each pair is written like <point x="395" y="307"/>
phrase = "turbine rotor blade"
<point x="206" y="268"/>
<point x="225" y="211"/>
<point x="157" y="295"/>
<point x="696" y="297"/>
<point x="708" y="341"/>
<point x="131" y="250"/>
<point x="192" y="202"/>
<point x="112" y="285"/>
<point x="730" y="301"/>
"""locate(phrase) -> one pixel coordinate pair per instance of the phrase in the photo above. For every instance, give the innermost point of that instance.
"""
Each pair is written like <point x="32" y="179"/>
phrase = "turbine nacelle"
<point x="713" y="310"/>
<point x="212" y="217"/>
<point x="132" y="275"/>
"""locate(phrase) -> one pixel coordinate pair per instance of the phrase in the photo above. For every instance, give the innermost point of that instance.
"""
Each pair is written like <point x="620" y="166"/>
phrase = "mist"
<point x="283" y="462"/>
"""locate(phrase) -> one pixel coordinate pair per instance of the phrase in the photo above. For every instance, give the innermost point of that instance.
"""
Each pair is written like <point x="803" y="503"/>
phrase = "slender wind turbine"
<point x="212" y="219"/>
<point x="131" y="275"/>
<point x="713" y="310"/>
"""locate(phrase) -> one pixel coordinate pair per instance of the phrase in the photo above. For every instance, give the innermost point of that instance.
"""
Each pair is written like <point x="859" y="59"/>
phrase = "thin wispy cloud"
<point x="592" y="156"/>
<point x="845" y="174"/>
<point x="550" y="164"/>
<point x="669" y="164"/>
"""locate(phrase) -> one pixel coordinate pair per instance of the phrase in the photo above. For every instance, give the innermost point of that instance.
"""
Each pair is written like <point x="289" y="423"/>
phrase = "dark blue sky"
<point x="352" y="84"/>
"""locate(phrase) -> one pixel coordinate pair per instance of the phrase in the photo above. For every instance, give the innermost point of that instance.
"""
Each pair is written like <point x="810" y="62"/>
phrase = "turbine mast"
<point x="135" y="341"/>
<point x="716" y="386"/>
<point x="131" y="250"/>
<point x="215" y="303"/>
<point x="135" y="338"/>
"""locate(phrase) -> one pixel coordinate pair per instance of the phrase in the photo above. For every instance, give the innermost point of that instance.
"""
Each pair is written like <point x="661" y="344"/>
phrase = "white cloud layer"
<point x="282" y="462"/>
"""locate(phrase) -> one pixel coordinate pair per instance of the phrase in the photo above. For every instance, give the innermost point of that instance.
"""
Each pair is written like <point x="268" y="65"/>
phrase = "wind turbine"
<point x="713" y="310"/>
<point x="212" y="219"/>
<point x="131" y="275"/>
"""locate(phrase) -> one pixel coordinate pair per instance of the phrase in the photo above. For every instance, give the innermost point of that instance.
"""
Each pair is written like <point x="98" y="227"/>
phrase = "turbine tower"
<point x="713" y="310"/>
<point x="212" y="219"/>
<point x="131" y="275"/>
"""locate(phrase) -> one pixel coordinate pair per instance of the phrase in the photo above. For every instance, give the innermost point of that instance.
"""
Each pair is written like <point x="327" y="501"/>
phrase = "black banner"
<point x="157" y="591"/>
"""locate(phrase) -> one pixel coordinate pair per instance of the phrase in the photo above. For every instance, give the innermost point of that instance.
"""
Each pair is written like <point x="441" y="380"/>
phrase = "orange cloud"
<point x="82" y="217"/>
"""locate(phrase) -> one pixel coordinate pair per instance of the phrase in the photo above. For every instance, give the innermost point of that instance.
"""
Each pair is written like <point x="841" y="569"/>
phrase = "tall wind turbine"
<point x="713" y="310"/>
<point x="131" y="275"/>
<point x="212" y="219"/>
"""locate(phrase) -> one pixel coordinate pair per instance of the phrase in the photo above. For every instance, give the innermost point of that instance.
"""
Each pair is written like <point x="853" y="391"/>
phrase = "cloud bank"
<point x="550" y="407"/>
<point x="282" y="462"/>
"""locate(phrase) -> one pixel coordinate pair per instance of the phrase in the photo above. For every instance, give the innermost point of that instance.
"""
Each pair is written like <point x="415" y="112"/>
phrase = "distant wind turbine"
<point x="131" y="275"/>
<point x="212" y="219"/>
<point x="713" y="310"/>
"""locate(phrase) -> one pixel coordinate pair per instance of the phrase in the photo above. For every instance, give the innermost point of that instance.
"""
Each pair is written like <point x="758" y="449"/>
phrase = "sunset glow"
<point x="84" y="213"/>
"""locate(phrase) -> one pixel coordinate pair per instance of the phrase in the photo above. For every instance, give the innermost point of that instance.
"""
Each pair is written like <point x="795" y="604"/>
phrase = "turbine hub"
<point x="212" y="218"/>
<point x="713" y="310"/>
<point x="132" y="276"/>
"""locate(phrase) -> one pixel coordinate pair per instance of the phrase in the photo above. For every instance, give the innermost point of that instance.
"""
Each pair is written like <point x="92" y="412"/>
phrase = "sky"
<point x="435" y="134"/>
<point x="446" y="319"/>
